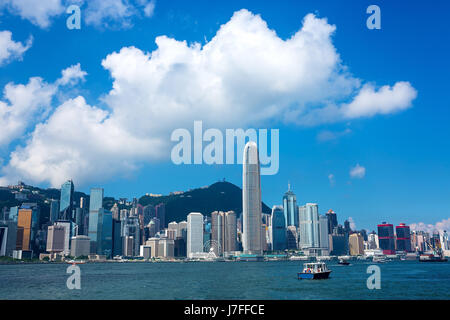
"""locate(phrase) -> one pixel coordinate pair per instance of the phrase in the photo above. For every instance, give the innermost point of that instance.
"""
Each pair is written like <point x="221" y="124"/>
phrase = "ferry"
<point x="314" y="270"/>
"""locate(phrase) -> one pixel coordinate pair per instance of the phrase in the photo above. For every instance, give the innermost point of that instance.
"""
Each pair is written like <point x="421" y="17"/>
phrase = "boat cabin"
<point x="315" y="267"/>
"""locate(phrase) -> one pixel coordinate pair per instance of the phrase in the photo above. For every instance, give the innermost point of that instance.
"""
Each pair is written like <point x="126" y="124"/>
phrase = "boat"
<point x="301" y="258"/>
<point x="314" y="271"/>
<point x="75" y="261"/>
<point x="343" y="262"/>
<point x="379" y="259"/>
<point x="432" y="258"/>
<point x="436" y="254"/>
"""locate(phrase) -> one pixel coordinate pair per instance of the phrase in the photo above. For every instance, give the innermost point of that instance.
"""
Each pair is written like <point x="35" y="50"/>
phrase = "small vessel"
<point x="432" y="258"/>
<point x="314" y="270"/>
<point x="379" y="259"/>
<point x="301" y="258"/>
<point x="436" y="254"/>
<point x="75" y="261"/>
<point x="343" y="262"/>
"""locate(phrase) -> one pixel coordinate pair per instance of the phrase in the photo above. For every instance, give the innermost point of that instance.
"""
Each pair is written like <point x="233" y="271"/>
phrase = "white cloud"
<point x="358" y="172"/>
<point x="149" y="8"/>
<point x="98" y="13"/>
<point x="245" y="76"/>
<point x="37" y="12"/>
<point x="331" y="179"/>
<point x="327" y="135"/>
<point x="72" y="75"/>
<point x="441" y="226"/>
<point x="370" y="102"/>
<point x="11" y="50"/>
<point x="25" y="105"/>
<point x="352" y="223"/>
<point x="108" y="13"/>
<point x="78" y="141"/>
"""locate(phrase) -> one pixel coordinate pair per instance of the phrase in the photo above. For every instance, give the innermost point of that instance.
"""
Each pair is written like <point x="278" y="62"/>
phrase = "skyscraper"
<point x="132" y="230"/>
<point x="356" y="244"/>
<point x="230" y="243"/>
<point x="403" y="237"/>
<point x="217" y="231"/>
<point x="323" y="232"/>
<point x="332" y="221"/>
<point x="194" y="233"/>
<point x="27" y="226"/>
<point x="278" y="229"/>
<point x="290" y="208"/>
<point x="251" y="201"/>
<point x="160" y="212"/>
<point x="104" y="233"/>
<point x="309" y="226"/>
<point x="66" y="201"/>
<point x="224" y="231"/>
<point x="54" y="211"/>
<point x="56" y="238"/>
<point x="96" y="202"/>
<point x="386" y="238"/>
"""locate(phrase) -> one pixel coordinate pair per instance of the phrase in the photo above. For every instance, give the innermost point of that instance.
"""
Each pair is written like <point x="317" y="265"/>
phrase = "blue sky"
<point x="404" y="152"/>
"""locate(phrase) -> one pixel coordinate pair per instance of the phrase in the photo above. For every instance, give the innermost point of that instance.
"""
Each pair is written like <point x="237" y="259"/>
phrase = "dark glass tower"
<point x="290" y="208"/>
<point x="66" y="201"/>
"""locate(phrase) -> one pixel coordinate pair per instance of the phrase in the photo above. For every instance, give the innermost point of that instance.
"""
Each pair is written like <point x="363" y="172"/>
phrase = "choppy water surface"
<point x="224" y="280"/>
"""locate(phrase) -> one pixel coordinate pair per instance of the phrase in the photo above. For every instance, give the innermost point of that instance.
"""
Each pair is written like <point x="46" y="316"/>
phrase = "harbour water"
<point x="224" y="280"/>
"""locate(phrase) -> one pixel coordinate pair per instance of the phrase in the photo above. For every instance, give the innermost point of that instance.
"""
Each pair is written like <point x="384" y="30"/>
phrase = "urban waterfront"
<point x="224" y="280"/>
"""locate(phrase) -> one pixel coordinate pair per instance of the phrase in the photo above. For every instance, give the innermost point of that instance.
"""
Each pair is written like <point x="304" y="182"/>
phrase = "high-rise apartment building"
<point x="194" y="233"/>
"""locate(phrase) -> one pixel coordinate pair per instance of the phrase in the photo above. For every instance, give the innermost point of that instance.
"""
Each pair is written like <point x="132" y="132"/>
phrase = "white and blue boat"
<point x="314" y="271"/>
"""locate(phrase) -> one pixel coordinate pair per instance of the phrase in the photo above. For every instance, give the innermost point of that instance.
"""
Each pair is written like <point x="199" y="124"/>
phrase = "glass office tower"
<point x="66" y="201"/>
<point x="279" y="242"/>
<point x="290" y="208"/>
<point x="96" y="202"/>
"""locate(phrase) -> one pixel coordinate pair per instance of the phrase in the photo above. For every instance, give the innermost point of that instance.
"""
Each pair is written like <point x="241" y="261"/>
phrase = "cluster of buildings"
<point x="87" y="229"/>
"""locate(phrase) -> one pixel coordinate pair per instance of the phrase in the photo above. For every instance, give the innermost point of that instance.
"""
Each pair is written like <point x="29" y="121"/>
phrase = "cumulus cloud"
<point x="245" y="76"/>
<point x="39" y="14"/>
<point x="352" y="223"/>
<point x="77" y="141"/>
<point x="23" y="104"/>
<point x="358" y="172"/>
<point x="441" y="226"/>
<point x="11" y="50"/>
<point x="26" y="104"/>
<point x="72" y="75"/>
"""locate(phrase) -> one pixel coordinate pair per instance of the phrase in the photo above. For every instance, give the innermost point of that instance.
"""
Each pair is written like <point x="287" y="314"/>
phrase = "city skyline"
<point x="371" y="167"/>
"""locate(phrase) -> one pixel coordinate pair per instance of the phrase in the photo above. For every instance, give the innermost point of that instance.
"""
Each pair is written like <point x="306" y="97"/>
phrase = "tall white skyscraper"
<point x="194" y="233"/>
<point x="309" y="226"/>
<point x="251" y="201"/>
